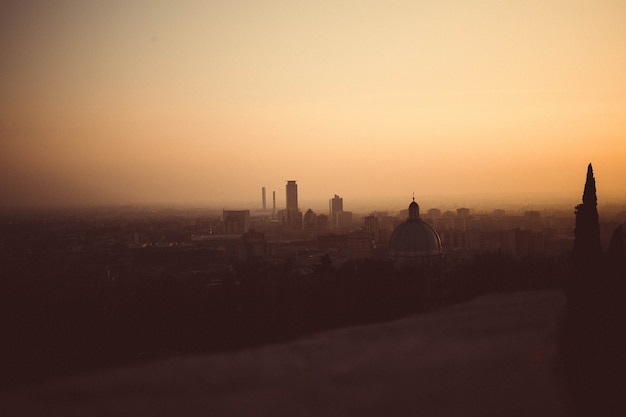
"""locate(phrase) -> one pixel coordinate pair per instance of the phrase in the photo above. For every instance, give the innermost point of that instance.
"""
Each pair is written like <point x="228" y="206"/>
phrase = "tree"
<point x="592" y="344"/>
<point x="587" y="251"/>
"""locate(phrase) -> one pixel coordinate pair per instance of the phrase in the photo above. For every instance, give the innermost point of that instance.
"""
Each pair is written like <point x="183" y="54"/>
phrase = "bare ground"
<point x="493" y="356"/>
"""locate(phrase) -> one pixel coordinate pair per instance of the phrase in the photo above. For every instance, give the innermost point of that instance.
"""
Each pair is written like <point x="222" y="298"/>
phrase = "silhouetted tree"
<point x="592" y="344"/>
<point x="587" y="247"/>
<point x="587" y="252"/>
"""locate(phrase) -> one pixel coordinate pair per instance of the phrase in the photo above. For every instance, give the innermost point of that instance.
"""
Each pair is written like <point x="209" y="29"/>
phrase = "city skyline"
<point x="189" y="103"/>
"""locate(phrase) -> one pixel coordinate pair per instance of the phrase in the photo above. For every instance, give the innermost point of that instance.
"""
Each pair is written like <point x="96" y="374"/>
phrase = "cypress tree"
<point x="587" y="247"/>
<point x="585" y="282"/>
<point x="592" y="343"/>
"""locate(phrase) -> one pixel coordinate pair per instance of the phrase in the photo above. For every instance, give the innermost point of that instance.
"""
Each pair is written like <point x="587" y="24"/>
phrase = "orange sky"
<point x="206" y="102"/>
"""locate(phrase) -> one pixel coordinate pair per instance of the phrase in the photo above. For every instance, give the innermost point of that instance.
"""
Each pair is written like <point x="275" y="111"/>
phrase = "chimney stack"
<point x="263" y="197"/>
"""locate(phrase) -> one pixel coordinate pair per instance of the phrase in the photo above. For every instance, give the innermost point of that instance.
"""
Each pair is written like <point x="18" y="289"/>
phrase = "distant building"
<point x="252" y="246"/>
<point x="463" y="212"/>
<point x="291" y="217"/>
<point x="498" y="213"/>
<point x="415" y="240"/>
<point x="371" y="226"/>
<point x="335" y="205"/>
<point x="236" y="222"/>
<point x="292" y="195"/>
<point x="434" y="213"/>
<point x="310" y="221"/>
<point x="291" y="220"/>
<point x="462" y="220"/>
<point x="322" y="222"/>
<point x="359" y="244"/>
<point x="532" y="220"/>
<point x="344" y="219"/>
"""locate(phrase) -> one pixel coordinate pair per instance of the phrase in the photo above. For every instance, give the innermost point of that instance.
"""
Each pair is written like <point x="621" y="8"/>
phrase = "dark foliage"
<point x="587" y="250"/>
<point x="593" y="345"/>
<point x="60" y="318"/>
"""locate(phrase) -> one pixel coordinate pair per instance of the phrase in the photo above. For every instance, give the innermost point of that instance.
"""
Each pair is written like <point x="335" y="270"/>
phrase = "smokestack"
<point x="273" y="202"/>
<point x="263" y="197"/>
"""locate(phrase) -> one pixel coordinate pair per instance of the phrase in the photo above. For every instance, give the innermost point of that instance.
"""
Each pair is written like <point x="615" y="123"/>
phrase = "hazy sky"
<point x="206" y="102"/>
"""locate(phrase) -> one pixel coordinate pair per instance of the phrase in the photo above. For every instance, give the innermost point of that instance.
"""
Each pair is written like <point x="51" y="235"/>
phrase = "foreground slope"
<point x="494" y="355"/>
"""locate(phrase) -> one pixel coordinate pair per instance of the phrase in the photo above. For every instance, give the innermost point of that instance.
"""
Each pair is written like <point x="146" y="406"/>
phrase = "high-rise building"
<point x="371" y="226"/>
<point x="291" y="220"/>
<point x="310" y="221"/>
<point x="292" y="195"/>
<point x="335" y="206"/>
<point x="463" y="212"/>
<point x="462" y="219"/>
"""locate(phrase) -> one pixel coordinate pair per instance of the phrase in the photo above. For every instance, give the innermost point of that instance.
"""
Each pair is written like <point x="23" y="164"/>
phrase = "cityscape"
<point x="272" y="234"/>
<point x="252" y="276"/>
<point x="283" y="208"/>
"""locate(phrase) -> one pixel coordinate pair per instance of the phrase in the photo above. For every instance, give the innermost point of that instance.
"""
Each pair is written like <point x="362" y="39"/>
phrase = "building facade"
<point x="335" y="206"/>
<point x="371" y="226"/>
<point x="236" y="222"/>
<point x="291" y="190"/>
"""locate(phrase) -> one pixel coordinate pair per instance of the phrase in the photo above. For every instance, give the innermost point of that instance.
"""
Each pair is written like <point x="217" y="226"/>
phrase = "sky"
<point x="185" y="102"/>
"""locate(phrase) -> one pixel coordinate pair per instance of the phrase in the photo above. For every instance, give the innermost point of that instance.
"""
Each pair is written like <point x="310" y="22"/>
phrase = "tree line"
<point x="58" y="320"/>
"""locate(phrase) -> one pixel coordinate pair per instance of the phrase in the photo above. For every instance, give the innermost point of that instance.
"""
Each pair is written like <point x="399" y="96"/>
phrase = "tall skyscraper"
<point x="273" y="203"/>
<point x="263" y="197"/>
<point x="335" y="206"/>
<point x="292" y="195"/>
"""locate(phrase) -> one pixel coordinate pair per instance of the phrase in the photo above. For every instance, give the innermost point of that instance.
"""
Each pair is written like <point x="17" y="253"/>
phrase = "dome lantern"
<point x="414" y="210"/>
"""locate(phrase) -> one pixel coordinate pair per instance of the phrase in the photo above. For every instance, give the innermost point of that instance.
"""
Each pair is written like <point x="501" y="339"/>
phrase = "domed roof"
<point x="414" y="237"/>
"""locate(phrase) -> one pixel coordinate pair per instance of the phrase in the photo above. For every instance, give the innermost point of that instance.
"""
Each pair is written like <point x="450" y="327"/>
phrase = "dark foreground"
<point x="495" y="355"/>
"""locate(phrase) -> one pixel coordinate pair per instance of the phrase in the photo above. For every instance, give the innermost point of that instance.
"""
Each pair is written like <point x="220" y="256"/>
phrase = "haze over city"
<point x="280" y="208"/>
<point x="206" y="102"/>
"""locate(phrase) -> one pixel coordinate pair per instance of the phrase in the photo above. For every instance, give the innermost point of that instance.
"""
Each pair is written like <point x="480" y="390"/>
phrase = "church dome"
<point x="414" y="238"/>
